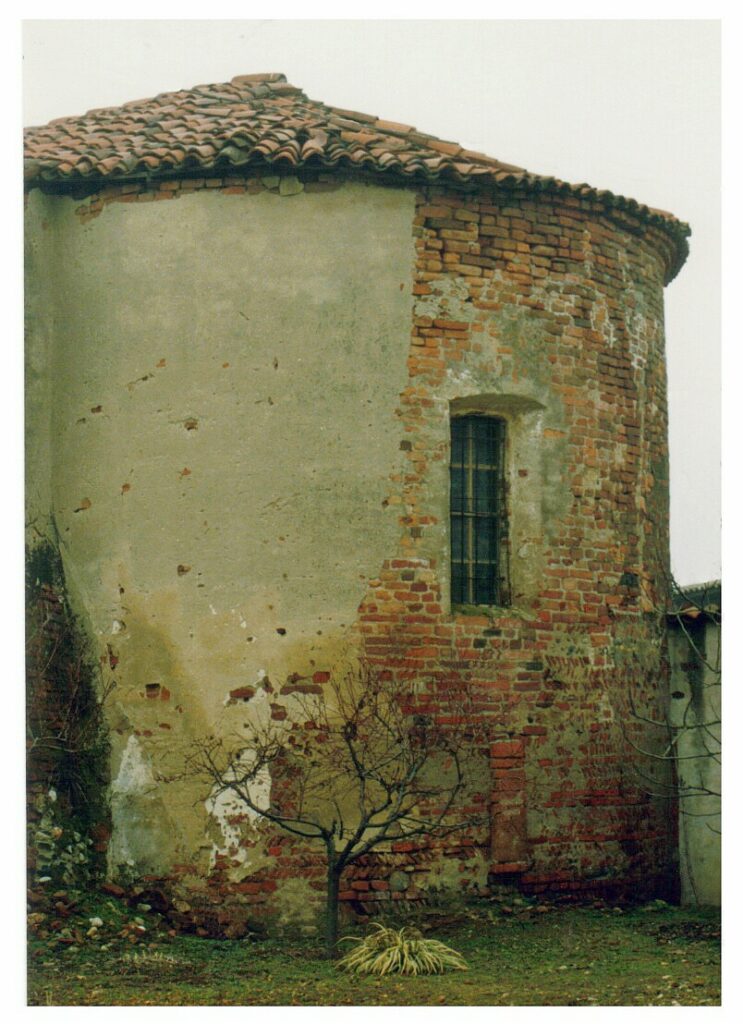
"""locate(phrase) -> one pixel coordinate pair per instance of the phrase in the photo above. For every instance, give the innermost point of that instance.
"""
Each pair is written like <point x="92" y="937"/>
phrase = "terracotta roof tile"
<point x="260" y="119"/>
<point x="450" y="148"/>
<point x="393" y="127"/>
<point x="354" y="115"/>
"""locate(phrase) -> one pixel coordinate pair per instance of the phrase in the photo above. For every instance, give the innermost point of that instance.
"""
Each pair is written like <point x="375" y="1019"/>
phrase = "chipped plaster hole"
<point x="152" y="691"/>
<point x="191" y="424"/>
<point x="243" y="693"/>
<point x="117" y="626"/>
<point x="183" y="569"/>
<point x="132" y="383"/>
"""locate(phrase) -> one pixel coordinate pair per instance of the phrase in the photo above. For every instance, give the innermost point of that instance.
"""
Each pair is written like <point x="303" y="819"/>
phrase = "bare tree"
<point x="358" y="765"/>
<point x="693" y="723"/>
<point x="697" y="615"/>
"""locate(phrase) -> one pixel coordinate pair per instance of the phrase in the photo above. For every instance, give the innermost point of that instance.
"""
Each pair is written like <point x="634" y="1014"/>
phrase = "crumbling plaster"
<point x="221" y="435"/>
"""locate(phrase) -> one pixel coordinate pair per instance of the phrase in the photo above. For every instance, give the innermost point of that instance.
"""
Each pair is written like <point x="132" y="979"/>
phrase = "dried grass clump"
<point x="386" y="951"/>
<point x="149" y="962"/>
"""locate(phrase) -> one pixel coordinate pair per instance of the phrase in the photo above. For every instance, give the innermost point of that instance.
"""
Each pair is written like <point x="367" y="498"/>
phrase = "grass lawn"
<point x="525" y="954"/>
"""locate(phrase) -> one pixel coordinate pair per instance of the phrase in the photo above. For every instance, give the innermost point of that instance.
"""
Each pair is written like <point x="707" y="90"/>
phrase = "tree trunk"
<point x="331" y="910"/>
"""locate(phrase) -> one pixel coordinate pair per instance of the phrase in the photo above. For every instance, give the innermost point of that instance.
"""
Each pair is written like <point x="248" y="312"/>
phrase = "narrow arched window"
<point x="478" y="510"/>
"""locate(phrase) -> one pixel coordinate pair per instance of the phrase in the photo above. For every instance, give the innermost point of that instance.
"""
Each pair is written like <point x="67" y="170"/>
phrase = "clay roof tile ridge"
<point x="263" y="113"/>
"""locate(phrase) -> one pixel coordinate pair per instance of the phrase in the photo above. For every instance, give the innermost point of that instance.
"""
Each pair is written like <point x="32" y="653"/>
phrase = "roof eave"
<point x="499" y="177"/>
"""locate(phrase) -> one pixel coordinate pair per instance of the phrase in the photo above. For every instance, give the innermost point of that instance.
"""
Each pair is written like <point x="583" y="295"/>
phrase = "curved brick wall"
<point x="554" y="310"/>
<point x="545" y="311"/>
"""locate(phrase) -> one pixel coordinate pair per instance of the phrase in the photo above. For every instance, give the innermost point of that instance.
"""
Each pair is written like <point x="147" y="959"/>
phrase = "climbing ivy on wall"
<point x="66" y="735"/>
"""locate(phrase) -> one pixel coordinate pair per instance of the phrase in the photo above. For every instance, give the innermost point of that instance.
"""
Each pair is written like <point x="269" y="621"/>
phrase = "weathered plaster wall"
<point x="223" y="385"/>
<point x="696" y="712"/>
<point x="251" y="424"/>
<point x="39" y="384"/>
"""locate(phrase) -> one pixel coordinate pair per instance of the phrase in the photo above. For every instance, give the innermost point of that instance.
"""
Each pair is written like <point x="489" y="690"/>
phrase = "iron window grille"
<point x="478" y="510"/>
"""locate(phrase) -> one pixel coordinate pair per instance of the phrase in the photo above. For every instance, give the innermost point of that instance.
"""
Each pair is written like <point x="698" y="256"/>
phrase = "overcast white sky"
<point x="632" y="106"/>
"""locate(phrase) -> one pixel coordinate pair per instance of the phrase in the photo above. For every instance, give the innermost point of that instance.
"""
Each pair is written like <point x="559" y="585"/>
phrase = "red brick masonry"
<point x="553" y="677"/>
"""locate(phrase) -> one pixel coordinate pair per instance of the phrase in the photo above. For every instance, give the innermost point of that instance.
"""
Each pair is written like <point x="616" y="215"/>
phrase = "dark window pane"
<point x="483" y="442"/>
<point x="485" y="538"/>
<point x="457" y="450"/>
<point x="457" y="489"/>
<point x="484" y="491"/>
<point x="484" y="591"/>
<point x="457" y="546"/>
<point x="457" y="584"/>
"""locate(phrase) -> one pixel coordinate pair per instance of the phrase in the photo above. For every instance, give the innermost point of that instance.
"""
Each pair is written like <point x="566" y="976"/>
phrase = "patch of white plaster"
<point x="227" y="805"/>
<point x="619" y="453"/>
<point x="448" y="300"/>
<point x="639" y="331"/>
<point x="132" y="788"/>
<point x="605" y="707"/>
<point x="464" y="377"/>
<point x="135" y="774"/>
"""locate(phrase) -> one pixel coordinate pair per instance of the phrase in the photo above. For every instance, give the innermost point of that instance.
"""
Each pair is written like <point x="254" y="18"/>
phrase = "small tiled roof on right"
<point x="697" y="599"/>
<point x="259" y="120"/>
